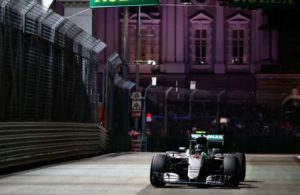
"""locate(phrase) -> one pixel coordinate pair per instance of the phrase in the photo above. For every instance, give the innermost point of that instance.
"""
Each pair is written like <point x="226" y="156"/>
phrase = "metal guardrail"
<point x="26" y="143"/>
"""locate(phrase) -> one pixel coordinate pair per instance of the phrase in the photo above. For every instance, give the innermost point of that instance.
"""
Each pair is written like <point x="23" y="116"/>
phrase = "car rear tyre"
<point x="242" y="165"/>
<point x="157" y="169"/>
<point x="230" y="165"/>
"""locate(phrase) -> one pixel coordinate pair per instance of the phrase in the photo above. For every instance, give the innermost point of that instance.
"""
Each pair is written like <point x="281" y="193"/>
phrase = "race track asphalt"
<point x="128" y="174"/>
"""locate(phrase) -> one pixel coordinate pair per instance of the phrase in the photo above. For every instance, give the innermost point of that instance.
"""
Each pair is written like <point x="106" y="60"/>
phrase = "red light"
<point x="148" y="117"/>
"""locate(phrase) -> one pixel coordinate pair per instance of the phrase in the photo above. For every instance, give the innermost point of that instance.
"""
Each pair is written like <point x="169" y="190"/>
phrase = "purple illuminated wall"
<point x="175" y="27"/>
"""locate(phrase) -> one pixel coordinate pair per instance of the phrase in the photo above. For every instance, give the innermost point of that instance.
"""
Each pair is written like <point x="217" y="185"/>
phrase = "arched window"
<point x="200" y="39"/>
<point x="150" y="38"/>
<point x="238" y="46"/>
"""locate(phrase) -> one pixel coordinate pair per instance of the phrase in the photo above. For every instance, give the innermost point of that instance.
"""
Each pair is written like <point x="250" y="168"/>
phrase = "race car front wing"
<point x="211" y="180"/>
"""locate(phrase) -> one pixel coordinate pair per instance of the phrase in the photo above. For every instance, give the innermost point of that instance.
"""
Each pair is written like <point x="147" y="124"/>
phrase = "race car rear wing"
<point x="210" y="137"/>
<point x="215" y="138"/>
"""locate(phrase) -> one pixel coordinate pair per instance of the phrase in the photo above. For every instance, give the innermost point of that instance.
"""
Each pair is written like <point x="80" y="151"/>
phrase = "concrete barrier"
<point x="28" y="143"/>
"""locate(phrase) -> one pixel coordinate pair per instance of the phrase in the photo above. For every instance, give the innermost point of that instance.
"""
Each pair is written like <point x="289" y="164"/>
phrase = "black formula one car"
<point x="201" y="164"/>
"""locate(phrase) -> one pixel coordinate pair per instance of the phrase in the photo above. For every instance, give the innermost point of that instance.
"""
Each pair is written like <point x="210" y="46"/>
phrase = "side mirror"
<point x="182" y="149"/>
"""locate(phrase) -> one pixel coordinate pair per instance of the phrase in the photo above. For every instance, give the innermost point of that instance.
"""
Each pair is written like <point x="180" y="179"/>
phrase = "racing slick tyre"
<point x="230" y="164"/>
<point x="242" y="165"/>
<point x="157" y="169"/>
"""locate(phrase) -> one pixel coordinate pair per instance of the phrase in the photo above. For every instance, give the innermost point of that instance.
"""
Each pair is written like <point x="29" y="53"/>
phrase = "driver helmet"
<point x="198" y="147"/>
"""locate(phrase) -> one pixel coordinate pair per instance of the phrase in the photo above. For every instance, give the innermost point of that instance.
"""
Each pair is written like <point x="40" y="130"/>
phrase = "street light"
<point x="192" y="85"/>
<point x="138" y="62"/>
<point x="166" y="109"/>
<point x="152" y="62"/>
<point x="194" y="91"/>
<point x="218" y="109"/>
<point x="153" y="84"/>
<point x="186" y="2"/>
<point x="189" y="2"/>
<point x="153" y="81"/>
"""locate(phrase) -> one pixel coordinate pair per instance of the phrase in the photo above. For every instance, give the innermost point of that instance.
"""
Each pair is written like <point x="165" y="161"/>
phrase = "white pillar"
<point x="219" y="59"/>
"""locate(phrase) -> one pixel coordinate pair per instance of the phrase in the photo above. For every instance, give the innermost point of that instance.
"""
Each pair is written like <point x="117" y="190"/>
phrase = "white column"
<point x="219" y="62"/>
<point x="255" y="50"/>
<point x="172" y="38"/>
<point x="179" y="31"/>
<point x="275" y="43"/>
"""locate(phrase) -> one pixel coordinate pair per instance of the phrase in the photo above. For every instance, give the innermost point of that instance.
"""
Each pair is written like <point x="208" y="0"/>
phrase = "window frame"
<point x="150" y="38"/>
<point x="203" y="23"/>
<point x="238" y="23"/>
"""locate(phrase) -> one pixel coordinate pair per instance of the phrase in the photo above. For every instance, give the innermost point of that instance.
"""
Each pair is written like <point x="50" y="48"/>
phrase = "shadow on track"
<point x="192" y="189"/>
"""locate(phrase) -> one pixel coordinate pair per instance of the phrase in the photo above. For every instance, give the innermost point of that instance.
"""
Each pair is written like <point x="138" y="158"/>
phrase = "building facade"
<point x="217" y="46"/>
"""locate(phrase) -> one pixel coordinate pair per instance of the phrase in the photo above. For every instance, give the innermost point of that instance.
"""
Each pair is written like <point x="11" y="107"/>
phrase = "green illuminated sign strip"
<point x="215" y="137"/>
<point x="265" y="3"/>
<point x="122" y="3"/>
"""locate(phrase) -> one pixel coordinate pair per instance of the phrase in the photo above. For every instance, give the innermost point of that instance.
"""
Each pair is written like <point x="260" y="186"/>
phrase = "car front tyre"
<point x="242" y="165"/>
<point x="230" y="164"/>
<point x="157" y="169"/>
